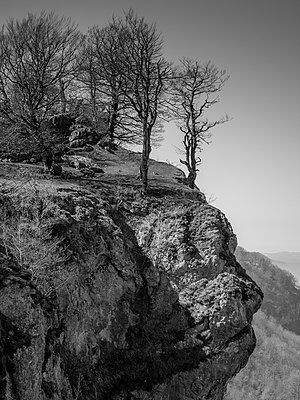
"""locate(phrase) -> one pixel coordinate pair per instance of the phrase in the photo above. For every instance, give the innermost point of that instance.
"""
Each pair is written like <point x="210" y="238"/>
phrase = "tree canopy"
<point x="117" y="72"/>
<point x="37" y="63"/>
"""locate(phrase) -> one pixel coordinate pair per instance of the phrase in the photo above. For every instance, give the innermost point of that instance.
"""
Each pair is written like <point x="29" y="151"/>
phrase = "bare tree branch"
<point x="194" y="88"/>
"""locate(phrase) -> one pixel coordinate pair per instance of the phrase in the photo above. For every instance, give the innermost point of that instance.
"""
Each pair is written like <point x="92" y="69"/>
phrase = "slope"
<point x="281" y="293"/>
<point x="289" y="261"/>
<point x="273" y="370"/>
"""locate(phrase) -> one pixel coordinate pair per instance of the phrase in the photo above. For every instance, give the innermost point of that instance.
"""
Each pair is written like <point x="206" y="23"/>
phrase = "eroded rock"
<point x="159" y="309"/>
<point x="82" y="135"/>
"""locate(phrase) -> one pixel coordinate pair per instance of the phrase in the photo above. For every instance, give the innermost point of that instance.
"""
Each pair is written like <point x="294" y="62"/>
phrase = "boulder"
<point x="82" y="135"/>
<point x="77" y="143"/>
<point x="79" y="132"/>
<point x="80" y="162"/>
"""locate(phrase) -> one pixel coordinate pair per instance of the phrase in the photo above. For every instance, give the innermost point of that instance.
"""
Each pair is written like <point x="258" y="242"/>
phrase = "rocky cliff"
<point x="107" y="295"/>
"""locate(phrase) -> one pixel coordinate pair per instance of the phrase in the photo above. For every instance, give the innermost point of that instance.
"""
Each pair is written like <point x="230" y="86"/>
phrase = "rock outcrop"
<point x="80" y="162"/>
<point x="82" y="133"/>
<point x="134" y="302"/>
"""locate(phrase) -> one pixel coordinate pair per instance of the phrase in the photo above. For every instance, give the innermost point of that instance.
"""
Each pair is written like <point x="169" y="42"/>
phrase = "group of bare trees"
<point x="37" y="64"/>
<point x="47" y="65"/>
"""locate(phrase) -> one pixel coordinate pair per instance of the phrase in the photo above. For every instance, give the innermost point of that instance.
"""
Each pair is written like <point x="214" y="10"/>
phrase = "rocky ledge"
<point x="104" y="295"/>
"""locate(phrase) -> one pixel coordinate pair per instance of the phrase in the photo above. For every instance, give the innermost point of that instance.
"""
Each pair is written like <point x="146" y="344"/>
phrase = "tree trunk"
<point x="191" y="179"/>
<point x="190" y="162"/>
<point x="94" y="106"/>
<point x="144" y="174"/>
<point x="63" y="99"/>
<point x="112" y="122"/>
<point x="145" y="159"/>
<point x="192" y="167"/>
<point x="48" y="160"/>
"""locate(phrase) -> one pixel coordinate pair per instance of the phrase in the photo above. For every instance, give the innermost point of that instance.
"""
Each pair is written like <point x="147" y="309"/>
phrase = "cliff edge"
<point x="108" y="295"/>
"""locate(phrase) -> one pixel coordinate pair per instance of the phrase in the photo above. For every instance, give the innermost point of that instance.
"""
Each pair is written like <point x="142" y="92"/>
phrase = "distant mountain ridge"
<point x="273" y="370"/>
<point x="289" y="261"/>
<point x="281" y="292"/>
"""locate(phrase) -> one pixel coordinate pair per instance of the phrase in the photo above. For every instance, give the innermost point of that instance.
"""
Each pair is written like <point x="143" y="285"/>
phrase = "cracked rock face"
<point x="194" y="245"/>
<point x="155" y="308"/>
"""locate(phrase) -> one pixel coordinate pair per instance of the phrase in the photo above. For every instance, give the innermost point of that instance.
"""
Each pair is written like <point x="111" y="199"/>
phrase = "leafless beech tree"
<point x="100" y="73"/>
<point x="37" y="63"/>
<point x="145" y="76"/>
<point x="196" y="87"/>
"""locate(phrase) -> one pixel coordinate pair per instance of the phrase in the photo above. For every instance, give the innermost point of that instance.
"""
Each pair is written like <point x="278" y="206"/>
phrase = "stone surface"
<point x="80" y="162"/>
<point x="140" y="305"/>
<point x="82" y="135"/>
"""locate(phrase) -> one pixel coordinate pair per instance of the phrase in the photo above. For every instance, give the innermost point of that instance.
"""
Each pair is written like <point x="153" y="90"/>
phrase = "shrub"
<point x="27" y="214"/>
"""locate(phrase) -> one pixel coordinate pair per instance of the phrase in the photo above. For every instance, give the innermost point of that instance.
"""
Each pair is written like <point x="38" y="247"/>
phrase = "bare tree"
<point x="196" y="87"/>
<point x="37" y="63"/>
<point x="145" y="76"/>
<point x="100" y="73"/>
<point x="87" y="78"/>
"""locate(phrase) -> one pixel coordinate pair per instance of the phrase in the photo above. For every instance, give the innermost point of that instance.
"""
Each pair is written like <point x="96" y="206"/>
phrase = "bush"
<point x="26" y="219"/>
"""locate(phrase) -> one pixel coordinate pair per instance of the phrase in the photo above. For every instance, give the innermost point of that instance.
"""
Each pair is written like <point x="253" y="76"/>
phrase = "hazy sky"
<point x="252" y="165"/>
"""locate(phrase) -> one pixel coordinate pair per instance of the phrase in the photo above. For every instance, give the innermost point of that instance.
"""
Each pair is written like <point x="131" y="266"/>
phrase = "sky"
<point x="251" y="168"/>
